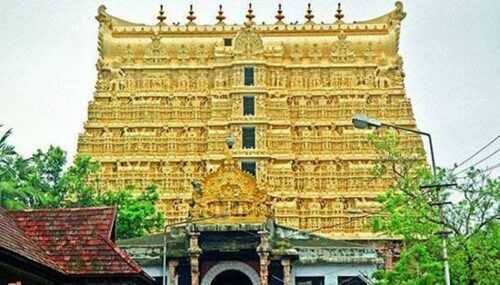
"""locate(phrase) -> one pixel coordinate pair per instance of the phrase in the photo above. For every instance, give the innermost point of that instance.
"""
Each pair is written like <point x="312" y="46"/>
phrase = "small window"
<point x="248" y="137"/>
<point x="228" y="42"/>
<point x="306" y="280"/>
<point x="248" y="106"/>
<point x="350" y="280"/>
<point x="249" y="166"/>
<point x="249" y="76"/>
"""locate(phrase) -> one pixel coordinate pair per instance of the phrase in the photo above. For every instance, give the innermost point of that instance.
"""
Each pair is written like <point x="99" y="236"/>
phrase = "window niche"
<point x="228" y="42"/>
<point x="249" y="75"/>
<point x="248" y="105"/>
<point x="249" y="166"/>
<point x="248" y="137"/>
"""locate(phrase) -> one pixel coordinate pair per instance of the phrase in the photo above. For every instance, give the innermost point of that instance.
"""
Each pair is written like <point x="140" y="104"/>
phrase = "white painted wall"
<point x="331" y="271"/>
<point x="154" y="271"/>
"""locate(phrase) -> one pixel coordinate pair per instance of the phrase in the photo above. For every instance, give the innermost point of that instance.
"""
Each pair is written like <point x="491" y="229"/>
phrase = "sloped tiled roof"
<point x="13" y="239"/>
<point x="77" y="240"/>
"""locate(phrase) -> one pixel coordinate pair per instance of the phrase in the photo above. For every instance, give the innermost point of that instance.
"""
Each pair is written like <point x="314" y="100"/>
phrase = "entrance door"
<point x="231" y="277"/>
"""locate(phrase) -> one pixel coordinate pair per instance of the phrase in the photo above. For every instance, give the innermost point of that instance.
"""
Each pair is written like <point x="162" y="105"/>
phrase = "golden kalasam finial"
<point x="220" y="17"/>
<point x="191" y="17"/>
<point x="339" y="14"/>
<point x="250" y="14"/>
<point x="161" y="15"/>
<point x="280" y="15"/>
<point x="309" y="15"/>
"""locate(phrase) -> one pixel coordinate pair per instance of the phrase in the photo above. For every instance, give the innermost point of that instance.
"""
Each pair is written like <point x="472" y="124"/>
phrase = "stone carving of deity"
<point x="315" y="79"/>
<point x="342" y="51"/>
<point x="325" y="78"/>
<point x="220" y="80"/>
<point x="202" y="54"/>
<point x="183" y="83"/>
<point x="274" y="78"/>
<point x="283" y="79"/>
<point x="296" y="53"/>
<point x="203" y="81"/>
<point x="382" y="79"/>
<point x="237" y="77"/>
<point x="183" y="54"/>
<point x="261" y="76"/>
<point x="315" y="53"/>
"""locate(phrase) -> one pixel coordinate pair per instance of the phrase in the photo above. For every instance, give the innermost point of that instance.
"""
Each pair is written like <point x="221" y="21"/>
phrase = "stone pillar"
<point x="194" y="255"/>
<point x="287" y="266"/>
<point x="264" y="252"/>
<point x="389" y="251"/>
<point x="388" y="259"/>
<point x="172" y="265"/>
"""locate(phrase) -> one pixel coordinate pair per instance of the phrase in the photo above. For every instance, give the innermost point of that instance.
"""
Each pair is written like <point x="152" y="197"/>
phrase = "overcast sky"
<point x="451" y="52"/>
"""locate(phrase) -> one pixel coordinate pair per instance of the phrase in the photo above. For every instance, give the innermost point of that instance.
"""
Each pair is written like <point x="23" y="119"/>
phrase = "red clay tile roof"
<point x="14" y="240"/>
<point x="77" y="240"/>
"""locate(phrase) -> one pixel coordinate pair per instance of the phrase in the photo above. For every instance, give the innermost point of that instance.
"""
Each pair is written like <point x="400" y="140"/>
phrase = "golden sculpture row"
<point x="389" y="76"/>
<point x="167" y="97"/>
<point x="340" y="51"/>
<point x="193" y="144"/>
<point x="193" y="111"/>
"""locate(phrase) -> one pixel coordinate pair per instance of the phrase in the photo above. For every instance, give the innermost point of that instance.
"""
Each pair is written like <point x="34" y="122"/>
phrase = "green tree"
<point x="14" y="192"/>
<point x="45" y="181"/>
<point x="7" y="152"/>
<point x="76" y="188"/>
<point x="137" y="215"/>
<point x="410" y="213"/>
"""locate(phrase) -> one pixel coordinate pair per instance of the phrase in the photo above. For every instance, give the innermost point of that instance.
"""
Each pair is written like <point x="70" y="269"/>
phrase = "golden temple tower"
<point x="168" y="95"/>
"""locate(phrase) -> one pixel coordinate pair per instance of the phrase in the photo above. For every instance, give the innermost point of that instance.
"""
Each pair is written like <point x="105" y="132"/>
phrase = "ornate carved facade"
<point x="167" y="96"/>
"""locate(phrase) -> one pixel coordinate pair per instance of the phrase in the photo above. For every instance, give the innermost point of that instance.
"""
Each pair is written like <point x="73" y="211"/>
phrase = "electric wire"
<point x="479" y="162"/>
<point x="490" y="168"/>
<point x="476" y="153"/>
<point x="495" y="166"/>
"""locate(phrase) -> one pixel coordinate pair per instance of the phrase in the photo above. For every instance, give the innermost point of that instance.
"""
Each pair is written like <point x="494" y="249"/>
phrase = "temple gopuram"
<point x="248" y="128"/>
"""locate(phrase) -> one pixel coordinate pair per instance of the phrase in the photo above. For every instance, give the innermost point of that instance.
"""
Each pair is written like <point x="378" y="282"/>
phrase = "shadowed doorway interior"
<point x="231" y="277"/>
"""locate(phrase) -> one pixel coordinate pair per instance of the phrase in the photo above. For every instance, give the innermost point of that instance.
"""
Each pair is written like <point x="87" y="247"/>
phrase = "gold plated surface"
<point x="167" y="96"/>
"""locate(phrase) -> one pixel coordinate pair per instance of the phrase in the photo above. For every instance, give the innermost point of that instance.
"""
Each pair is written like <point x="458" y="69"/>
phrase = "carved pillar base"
<point x="194" y="255"/>
<point x="287" y="266"/>
<point x="264" y="252"/>
<point x="172" y="275"/>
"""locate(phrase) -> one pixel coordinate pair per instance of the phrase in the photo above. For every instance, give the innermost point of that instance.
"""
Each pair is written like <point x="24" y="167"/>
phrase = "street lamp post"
<point x="364" y="122"/>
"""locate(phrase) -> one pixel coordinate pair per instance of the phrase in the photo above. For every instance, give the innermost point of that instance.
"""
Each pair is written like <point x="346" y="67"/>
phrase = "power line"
<point x="495" y="166"/>
<point x="476" y="153"/>
<point x="492" y="167"/>
<point x="481" y="161"/>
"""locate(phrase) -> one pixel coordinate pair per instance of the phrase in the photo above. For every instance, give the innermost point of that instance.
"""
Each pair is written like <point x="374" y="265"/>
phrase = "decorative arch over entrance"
<point x="231" y="265"/>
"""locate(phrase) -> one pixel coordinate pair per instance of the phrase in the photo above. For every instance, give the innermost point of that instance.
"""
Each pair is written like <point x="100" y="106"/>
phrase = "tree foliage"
<point x="411" y="212"/>
<point x="45" y="181"/>
<point x="138" y="215"/>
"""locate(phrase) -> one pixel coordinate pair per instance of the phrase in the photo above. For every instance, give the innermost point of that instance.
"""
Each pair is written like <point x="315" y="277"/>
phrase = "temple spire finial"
<point x="220" y="17"/>
<point x="161" y="16"/>
<point x="250" y="15"/>
<point x="191" y="17"/>
<point x="309" y="15"/>
<point x="279" y="16"/>
<point x="339" y="14"/>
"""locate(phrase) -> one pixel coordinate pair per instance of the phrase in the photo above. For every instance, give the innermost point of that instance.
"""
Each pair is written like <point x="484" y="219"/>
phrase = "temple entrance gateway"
<point x="231" y="277"/>
<point x="231" y="272"/>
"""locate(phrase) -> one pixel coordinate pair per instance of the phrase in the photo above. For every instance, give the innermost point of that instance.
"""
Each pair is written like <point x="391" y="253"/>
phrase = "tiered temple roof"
<point x="168" y="95"/>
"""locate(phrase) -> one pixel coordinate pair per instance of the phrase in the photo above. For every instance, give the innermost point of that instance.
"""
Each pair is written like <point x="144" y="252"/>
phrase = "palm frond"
<point x="5" y="136"/>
